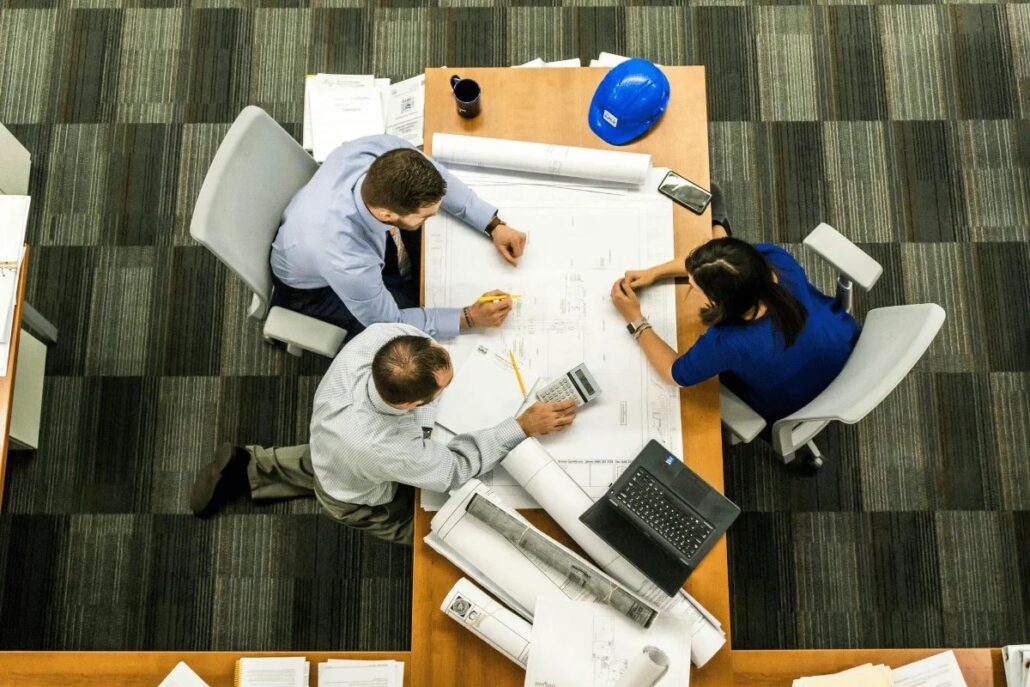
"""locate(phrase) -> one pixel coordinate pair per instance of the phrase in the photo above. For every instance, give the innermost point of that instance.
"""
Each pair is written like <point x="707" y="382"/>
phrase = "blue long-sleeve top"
<point x="751" y="359"/>
<point x="328" y="237"/>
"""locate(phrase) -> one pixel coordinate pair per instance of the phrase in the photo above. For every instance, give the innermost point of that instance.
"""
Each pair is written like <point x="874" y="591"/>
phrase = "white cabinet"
<point x="15" y="162"/>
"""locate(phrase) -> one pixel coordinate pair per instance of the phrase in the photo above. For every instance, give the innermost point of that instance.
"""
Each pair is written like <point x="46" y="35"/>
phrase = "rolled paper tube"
<point x="646" y="669"/>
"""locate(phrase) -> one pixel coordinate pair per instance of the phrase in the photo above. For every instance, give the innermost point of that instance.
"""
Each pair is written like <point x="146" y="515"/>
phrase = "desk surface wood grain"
<point x="550" y="106"/>
<point x="149" y="668"/>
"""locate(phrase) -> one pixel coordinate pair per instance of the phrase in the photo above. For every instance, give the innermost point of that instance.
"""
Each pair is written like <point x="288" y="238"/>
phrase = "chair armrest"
<point x="304" y="332"/>
<point x="738" y="416"/>
<point x="850" y="260"/>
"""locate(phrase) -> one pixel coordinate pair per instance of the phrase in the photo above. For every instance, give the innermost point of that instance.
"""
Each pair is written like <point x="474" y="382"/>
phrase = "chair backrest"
<point x="255" y="172"/>
<point x="892" y="342"/>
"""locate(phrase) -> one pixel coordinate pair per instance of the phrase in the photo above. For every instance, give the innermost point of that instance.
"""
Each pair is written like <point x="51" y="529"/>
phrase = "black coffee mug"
<point x="466" y="95"/>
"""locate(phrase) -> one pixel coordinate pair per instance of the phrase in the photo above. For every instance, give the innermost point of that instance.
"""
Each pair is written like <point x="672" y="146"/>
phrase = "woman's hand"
<point x="625" y="301"/>
<point x="638" y="279"/>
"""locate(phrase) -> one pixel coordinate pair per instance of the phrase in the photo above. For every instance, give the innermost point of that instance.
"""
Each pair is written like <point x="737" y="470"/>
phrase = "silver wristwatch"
<point x="637" y="326"/>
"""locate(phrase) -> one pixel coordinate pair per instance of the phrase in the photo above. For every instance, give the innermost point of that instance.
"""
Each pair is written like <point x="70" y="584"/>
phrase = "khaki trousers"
<point x="285" y="472"/>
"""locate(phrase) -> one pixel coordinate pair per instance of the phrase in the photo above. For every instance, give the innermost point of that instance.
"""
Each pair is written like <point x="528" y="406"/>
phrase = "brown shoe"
<point x="220" y="481"/>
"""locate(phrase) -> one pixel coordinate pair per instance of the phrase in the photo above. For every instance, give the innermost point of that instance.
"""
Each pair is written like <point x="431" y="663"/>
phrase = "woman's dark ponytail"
<point x="736" y="278"/>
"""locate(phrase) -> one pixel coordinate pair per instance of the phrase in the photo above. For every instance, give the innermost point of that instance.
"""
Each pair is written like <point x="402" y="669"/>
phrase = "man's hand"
<point x="545" y="418"/>
<point x="490" y="314"/>
<point x="509" y="243"/>
<point x="625" y="301"/>
<point x="638" y="279"/>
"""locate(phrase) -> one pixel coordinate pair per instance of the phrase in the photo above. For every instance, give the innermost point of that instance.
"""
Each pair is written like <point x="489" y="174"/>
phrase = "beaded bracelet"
<point x="468" y="317"/>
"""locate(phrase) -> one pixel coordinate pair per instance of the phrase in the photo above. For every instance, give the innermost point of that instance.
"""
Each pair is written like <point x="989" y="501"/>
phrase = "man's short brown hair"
<point x="404" y="369"/>
<point x="402" y="181"/>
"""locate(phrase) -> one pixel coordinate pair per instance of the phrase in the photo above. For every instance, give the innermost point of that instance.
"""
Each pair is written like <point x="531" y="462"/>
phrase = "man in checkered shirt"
<point x="370" y="439"/>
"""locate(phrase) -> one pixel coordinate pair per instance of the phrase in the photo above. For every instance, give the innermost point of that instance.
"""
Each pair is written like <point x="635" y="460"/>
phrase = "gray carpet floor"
<point x="903" y="125"/>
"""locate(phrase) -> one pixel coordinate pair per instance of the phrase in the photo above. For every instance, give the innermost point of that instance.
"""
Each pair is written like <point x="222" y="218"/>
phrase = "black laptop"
<point x="661" y="517"/>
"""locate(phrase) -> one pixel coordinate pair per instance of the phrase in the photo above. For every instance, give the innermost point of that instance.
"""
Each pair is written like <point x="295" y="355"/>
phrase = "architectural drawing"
<point x="580" y="241"/>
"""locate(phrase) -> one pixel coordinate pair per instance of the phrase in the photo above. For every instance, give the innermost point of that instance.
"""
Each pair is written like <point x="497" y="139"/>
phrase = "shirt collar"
<point x="374" y="226"/>
<point x="378" y="403"/>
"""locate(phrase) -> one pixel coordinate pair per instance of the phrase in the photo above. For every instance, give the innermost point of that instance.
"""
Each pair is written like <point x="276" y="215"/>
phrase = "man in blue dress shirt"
<point x="349" y="247"/>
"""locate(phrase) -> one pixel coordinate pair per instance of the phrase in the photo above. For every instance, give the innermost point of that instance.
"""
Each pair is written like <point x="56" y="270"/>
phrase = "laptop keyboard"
<point x="648" y="500"/>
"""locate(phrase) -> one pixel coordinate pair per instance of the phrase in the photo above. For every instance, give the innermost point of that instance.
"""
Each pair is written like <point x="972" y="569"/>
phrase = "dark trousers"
<point x="324" y="304"/>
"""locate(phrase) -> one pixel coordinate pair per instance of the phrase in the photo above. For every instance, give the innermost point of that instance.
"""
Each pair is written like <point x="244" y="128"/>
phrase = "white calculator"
<point x="577" y="384"/>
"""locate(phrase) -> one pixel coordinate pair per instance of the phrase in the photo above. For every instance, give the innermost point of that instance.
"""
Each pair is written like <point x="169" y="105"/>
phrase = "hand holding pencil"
<point x="489" y="310"/>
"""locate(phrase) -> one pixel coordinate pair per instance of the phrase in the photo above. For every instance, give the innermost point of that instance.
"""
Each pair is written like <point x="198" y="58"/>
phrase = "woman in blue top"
<point x="773" y="338"/>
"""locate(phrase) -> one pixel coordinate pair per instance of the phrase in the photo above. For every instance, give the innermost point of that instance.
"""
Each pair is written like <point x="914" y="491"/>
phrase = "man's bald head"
<point x="410" y="369"/>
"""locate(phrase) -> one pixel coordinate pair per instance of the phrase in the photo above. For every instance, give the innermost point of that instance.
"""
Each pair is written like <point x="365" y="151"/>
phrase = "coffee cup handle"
<point x="454" y="81"/>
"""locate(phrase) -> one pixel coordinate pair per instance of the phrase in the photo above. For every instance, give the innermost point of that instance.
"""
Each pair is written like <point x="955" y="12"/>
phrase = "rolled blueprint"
<point x="538" y="546"/>
<point x="542" y="158"/>
<point x="483" y="616"/>
<point x="646" y="669"/>
<point x="485" y="556"/>
<point x="564" y="500"/>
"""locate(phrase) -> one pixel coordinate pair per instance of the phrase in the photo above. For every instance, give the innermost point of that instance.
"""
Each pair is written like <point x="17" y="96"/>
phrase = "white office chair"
<point x="256" y="171"/>
<point x="892" y="342"/>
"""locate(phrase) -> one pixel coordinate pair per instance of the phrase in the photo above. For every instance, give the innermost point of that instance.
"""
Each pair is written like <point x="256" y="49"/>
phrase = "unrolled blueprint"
<point x="582" y="644"/>
<point x="580" y="240"/>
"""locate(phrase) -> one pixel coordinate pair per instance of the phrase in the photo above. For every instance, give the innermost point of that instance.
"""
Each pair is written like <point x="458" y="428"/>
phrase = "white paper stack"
<point x="340" y="672"/>
<point x="539" y="62"/>
<point x="608" y="59"/>
<point x="266" y="672"/>
<point x="182" y="676"/>
<point x="342" y="107"/>
<point x="1016" y="658"/>
<point x="866" y="675"/>
<point x="941" y="670"/>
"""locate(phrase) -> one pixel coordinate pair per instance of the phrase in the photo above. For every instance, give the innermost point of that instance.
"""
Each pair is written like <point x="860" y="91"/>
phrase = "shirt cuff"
<point x="479" y="214"/>
<point x="510" y="434"/>
<point x="447" y="322"/>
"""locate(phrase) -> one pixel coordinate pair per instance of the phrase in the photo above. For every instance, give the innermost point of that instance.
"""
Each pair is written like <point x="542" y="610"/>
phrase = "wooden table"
<point x="7" y="381"/>
<point x="550" y="106"/>
<point x="148" y="668"/>
<point x="520" y="104"/>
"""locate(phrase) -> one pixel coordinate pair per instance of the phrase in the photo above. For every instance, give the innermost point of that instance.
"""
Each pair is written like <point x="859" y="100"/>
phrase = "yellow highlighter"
<point x="518" y="375"/>
<point x="494" y="299"/>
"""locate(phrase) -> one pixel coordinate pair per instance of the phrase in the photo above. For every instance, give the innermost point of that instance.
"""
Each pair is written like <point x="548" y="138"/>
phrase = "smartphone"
<point x="685" y="192"/>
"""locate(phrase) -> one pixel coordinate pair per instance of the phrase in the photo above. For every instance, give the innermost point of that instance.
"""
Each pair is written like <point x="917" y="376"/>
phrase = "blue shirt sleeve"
<point x="368" y="299"/>
<point x="463" y="203"/>
<point x="709" y="356"/>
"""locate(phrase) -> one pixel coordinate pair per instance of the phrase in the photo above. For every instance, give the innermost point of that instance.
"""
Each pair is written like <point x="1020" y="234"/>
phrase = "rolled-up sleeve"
<point x="441" y="468"/>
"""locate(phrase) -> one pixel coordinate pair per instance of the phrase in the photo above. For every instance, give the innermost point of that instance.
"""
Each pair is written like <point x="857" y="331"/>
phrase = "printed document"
<point x="406" y="112"/>
<point x="342" y="672"/>
<point x="272" y="672"/>
<point x="584" y="644"/>
<point x="182" y="676"/>
<point x="936" y="671"/>
<point x="484" y="392"/>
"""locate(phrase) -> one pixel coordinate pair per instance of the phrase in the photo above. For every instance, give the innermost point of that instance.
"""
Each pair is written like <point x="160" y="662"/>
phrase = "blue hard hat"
<point x="630" y="99"/>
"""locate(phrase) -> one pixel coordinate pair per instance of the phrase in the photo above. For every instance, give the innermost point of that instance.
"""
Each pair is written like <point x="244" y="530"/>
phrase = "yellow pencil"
<point x="492" y="299"/>
<point x="518" y="375"/>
